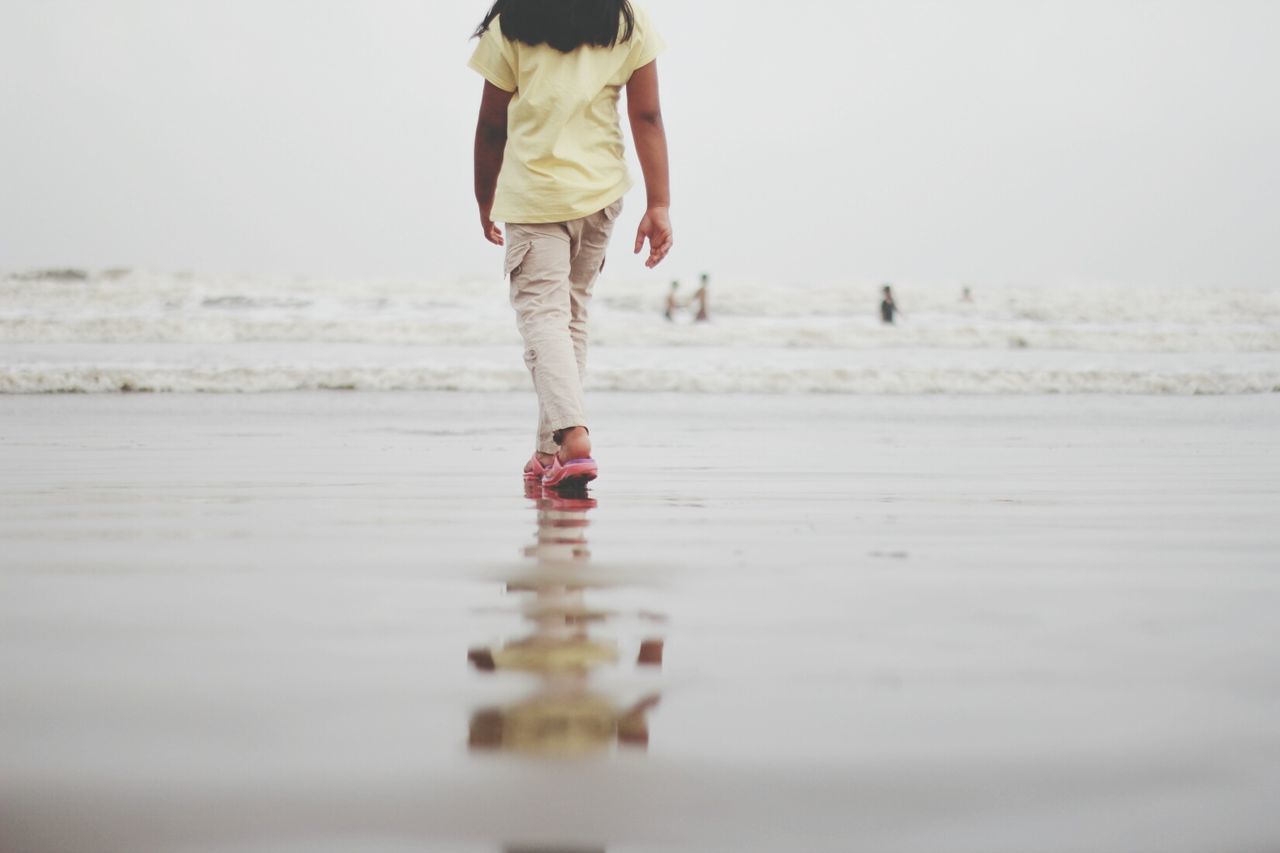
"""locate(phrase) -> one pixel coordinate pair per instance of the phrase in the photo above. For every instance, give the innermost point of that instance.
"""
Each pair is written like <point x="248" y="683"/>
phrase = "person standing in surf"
<point x="888" y="308"/>
<point x="550" y="163"/>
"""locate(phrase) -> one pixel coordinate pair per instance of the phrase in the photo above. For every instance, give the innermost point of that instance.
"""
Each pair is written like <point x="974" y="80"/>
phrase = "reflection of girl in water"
<point x="566" y="715"/>
<point x="561" y="723"/>
<point x="549" y="161"/>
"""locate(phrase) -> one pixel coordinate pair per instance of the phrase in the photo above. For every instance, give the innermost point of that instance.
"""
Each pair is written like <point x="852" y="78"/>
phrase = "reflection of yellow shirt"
<point x="559" y="726"/>
<point x="565" y="156"/>
<point x="560" y="656"/>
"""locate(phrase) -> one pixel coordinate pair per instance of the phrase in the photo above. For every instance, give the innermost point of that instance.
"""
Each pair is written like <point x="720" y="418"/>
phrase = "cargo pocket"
<point x="515" y="257"/>
<point x="611" y="213"/>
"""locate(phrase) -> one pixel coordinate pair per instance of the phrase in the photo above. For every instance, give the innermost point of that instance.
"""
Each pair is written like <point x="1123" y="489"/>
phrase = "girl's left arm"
<point x="491" y="141"/>
<point x="644" y="109"/>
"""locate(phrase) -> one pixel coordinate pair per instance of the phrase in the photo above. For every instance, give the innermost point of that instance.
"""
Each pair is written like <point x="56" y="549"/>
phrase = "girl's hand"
<point x="492" y="232"/>
<point x="656" y="228"/>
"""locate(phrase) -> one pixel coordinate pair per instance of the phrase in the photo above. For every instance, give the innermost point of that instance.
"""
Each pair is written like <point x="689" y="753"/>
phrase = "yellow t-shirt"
<point x="565" y="158"/>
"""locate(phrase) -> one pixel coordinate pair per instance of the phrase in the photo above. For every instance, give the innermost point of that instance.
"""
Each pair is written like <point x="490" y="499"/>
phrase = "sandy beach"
<point x="336" y="622"/>
<point x="932" y="368"/>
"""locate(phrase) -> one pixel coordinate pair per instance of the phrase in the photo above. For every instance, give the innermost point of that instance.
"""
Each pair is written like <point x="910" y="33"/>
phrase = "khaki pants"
<point x="553" y="268"/>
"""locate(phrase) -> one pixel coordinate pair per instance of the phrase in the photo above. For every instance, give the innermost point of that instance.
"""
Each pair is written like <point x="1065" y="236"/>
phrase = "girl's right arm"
<point x="644" y="109"/>
<point x="491" y="140"/>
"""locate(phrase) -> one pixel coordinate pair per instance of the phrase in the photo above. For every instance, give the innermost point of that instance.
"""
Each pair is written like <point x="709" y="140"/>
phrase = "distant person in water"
<point x="701" y="298"/>
<point x="549" y="162"/>
<point x="966" y="295"/>
<point x="673" y="301"/>
<point x="888" y="308"/>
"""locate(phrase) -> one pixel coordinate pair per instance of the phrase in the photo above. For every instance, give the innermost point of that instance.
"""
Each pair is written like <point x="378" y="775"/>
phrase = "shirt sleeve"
<point x="494" y="59"/>
<point x="646" y="44"/>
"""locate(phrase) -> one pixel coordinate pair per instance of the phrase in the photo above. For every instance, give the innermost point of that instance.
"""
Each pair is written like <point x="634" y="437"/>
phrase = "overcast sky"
<point x="1127" y="141"/>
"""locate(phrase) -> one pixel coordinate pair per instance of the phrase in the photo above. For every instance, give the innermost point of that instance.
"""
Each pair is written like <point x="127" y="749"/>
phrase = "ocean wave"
<point x="618" y="330"/>
<point x="39" y="379"/>
<point x="124" y="307"/>
<point x="79" y="331"/>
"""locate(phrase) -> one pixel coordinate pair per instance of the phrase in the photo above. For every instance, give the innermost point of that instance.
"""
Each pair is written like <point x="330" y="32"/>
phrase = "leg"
<point x="589" y="241"/>
<point x="589" y="246"/>
<point x="539" y="263"/>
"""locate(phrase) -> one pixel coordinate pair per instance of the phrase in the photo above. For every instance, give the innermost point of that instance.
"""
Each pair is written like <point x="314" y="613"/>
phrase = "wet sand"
<point x="336" y="622"/>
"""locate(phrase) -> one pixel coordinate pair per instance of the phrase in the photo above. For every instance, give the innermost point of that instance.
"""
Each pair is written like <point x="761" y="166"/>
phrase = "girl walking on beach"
<point x="549" y="162"/>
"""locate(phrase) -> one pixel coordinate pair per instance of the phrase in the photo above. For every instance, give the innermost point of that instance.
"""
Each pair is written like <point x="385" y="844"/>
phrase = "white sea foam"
<point x="242" y="380"/>
<point x="48" y="368"/>
<point x="201" y="333"/>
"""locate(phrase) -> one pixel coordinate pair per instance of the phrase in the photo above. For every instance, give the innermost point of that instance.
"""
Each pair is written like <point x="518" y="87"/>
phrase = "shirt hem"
<point x="566" y="215"/>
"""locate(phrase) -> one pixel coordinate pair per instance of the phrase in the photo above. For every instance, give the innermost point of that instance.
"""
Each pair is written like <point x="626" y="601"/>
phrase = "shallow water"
<point x="337" y="622"/>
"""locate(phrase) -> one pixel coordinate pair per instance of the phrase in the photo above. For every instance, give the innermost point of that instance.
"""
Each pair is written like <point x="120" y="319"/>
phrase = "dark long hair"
<point x="566" y="25"/>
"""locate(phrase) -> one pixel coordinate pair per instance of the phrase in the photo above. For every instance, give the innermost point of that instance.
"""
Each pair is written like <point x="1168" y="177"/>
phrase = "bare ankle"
<point x="575" y="443"/>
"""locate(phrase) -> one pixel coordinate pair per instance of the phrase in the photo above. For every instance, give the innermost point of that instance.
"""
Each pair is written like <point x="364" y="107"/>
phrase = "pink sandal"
<point x="567" y="475"/>
<point x="534" y="470"/>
